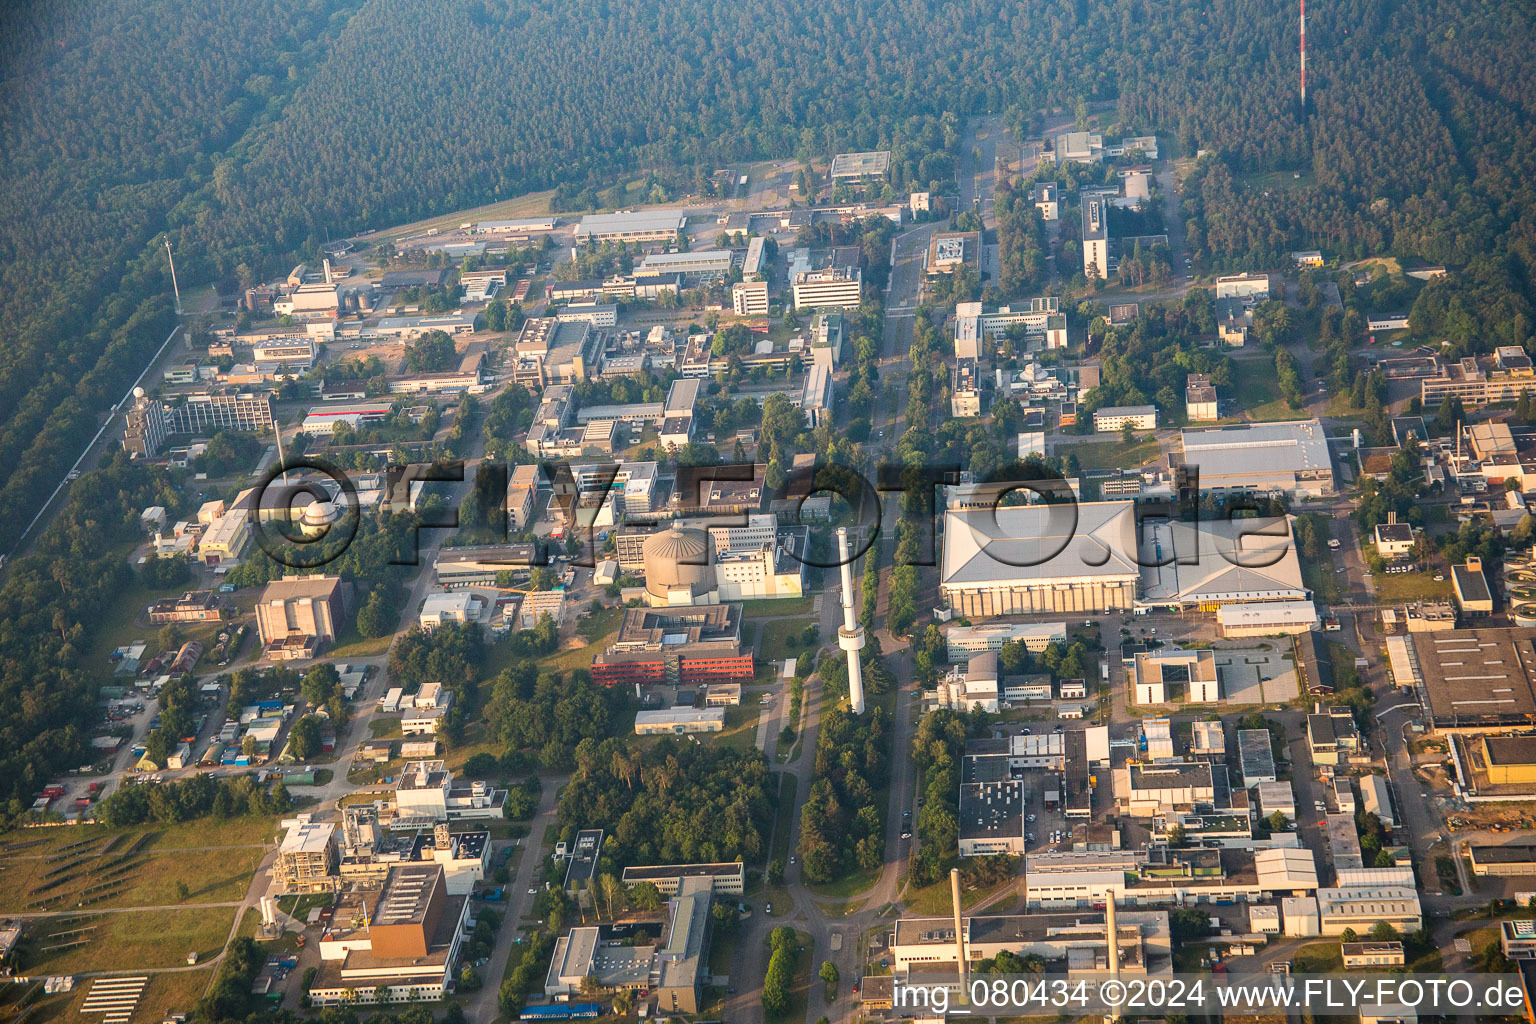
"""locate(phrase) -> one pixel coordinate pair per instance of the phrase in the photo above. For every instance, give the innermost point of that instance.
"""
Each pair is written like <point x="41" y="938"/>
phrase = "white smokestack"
<point x="851" y="637"/>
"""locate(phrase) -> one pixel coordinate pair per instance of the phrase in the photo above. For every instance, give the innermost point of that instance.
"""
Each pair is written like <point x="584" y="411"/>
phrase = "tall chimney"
<point x="1303" y="59"/>
<point x="327" y="265"/>
<point x="1112" y="933"/>
<point x="954" y="895"/>
<point x="851" y="637"/>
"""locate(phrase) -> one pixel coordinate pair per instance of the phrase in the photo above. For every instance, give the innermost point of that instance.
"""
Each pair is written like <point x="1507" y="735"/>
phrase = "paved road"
<point x="482" y="1007"/>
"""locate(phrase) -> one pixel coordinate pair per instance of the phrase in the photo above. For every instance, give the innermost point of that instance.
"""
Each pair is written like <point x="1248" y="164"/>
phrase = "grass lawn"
<point x="352" y="644"/>
<point x="385" y="727"/>
<point x="848" y="886"/>
<point x="1321" y="580"/>
<point x="800" y="987"/>
<point x="1111" y="454"/>
<point x="779" y="639"/>
<point x="1318" y="958"/>
<point x="1258" y="391"/>
<point x="300" y="904"/>
<point x="132" y="941"/>
<point x="740" y="728"/>
<point x="933" y="899"/>
<point x="763" y="609"/>
<point x="1410" y="586"/>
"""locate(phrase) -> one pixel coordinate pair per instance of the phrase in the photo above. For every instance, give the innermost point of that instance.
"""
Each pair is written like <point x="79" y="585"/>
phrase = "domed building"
<point x="680" y="568"/>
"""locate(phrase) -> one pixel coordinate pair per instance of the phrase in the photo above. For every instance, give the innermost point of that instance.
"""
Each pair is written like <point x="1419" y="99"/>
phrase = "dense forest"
<point x="250" y="133"/>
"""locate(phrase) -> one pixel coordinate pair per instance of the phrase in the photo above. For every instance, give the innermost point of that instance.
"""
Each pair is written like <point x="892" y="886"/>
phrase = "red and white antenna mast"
<point x="1303" y="57"/>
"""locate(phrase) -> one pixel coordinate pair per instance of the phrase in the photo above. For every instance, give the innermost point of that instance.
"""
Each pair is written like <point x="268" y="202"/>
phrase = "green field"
<point x="1395" y="588"/>
<point x="1114" y="454"/>
<point x="1258" y="391"/>
<point x="132" y="940"/>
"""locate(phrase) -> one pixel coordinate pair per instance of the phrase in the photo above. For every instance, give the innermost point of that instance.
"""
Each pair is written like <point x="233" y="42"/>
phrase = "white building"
<point x="749" y="298"/>
<point x="964" y="641"/>
<point x="1095" y="237"/>
<point x="1266" y="618"/>
<point x="834" y="287"/>
<point x="1116" y="417"/>
<point x="426" y="792"/>
<point x="1045" y="326"/>
<point x="1254" y="287"/>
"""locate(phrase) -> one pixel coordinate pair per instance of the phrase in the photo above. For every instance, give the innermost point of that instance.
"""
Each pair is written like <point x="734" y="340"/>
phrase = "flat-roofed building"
<point x="950" y="250"/>
<point x="728" y="879"/>
<point x="858" y="165"/>
<point x="749" y="298"/>
<point x="1210" y="563"/>
<point x="1166" y="788"/>
<point x="1254" y="287"/>
<point x="829" y="288"/>
<point x="550" y="352"/>
<point x="691" y="646"/>
<point x="1509" y="760"/>
<point x="472" y="566"/>
<point x="1042" y="321"/>
<point x="1256" y="756"/>
<point x="1504" y="377"/>
<point x="1200" y="403"/>
<point x="1207" y="739"/>
<point x="396" y="943"/>
<point x="1289" y="457"/>
<point x="679" y="721"/>
<point x="962" y="642"/>
<point x="1095" y="237"/>
<point x="1117" y="417"/>
<point x="522" y="493"/>
<point x="1473" y="595"/>
<point x="633" y="226"/>
<point x="1277" y="796"/>
<point x="1362" y="956"/>
<point x="1332" y="735"/>
<point x="1475" y="679"/>
<point x="1513" y="859"/>
<point x="1393" y="540"/>
<point x="1046" y="195"/>
<point x="1266" y="618"/>
<point x="1171" y="673"/>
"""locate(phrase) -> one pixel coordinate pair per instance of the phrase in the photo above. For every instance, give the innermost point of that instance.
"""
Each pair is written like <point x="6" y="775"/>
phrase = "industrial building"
<point x="1291" y="458"/>
<point x="307" y="858"/>
<point x="472" y="566"/>
<point x="1266" y="618"/>
<point x="398" y="941"/>
<point x="1511" y="860"/>
<point x="1477" y="382"/>
<point x="633" y="226"/>
<point x="1079" y="940"/>
<point x="301" y="606"/>
<point x="951" y="250"/>
<point x="1040" y="559"/>
<point x="426" y="794"/>
<point x="1472" y="679"/>
<point x="1204" y="565"/>
<point x="1256" y="756"/>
